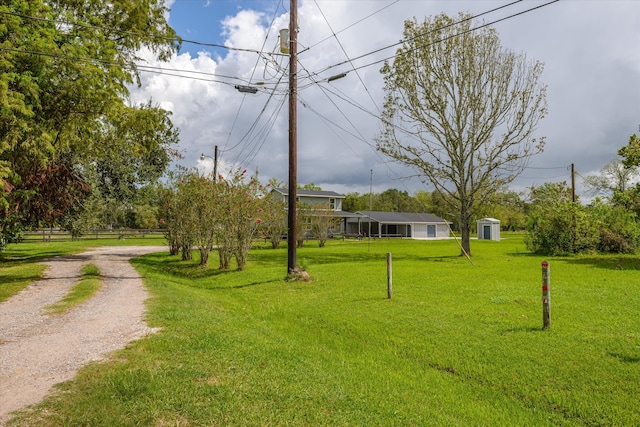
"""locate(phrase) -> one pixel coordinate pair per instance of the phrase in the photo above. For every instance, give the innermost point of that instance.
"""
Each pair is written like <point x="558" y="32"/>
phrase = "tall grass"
<point x="459" y="344"/>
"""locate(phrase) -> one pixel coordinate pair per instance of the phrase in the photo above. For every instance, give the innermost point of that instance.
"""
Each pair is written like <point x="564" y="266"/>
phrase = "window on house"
<point x="332" y="204"/>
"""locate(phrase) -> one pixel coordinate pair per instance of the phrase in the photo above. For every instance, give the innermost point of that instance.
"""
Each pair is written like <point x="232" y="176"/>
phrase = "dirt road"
<point x="38" y="351"/>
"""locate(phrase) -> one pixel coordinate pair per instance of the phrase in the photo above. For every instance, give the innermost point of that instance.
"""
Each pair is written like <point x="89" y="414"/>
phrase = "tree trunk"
<point x="465" y="231"/>
<point x="186" y="253"/>
<point x="204" y="256"/>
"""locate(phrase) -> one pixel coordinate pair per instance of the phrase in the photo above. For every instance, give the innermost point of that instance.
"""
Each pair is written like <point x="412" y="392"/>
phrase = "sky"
<point x="590" y="48"/>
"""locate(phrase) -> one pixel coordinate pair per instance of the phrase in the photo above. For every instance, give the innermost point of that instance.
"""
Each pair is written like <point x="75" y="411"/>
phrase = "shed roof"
<point x="488" y="220"/>
<point x="402" y="217"/>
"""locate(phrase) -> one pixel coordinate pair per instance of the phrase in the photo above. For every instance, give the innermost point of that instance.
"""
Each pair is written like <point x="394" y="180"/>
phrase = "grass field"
<point x="458" y="344"/>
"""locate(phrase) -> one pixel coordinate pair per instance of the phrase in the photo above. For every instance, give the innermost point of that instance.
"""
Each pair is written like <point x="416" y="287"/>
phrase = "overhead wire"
<point x="460" y="34"/>
<point x="251" y="78"/>
<point x="159" y="70"/>
<point x="347" y="55"/>
<point x="348" y="27"/>
<point x="417" y="36"/>
<point x="177" y="39"/>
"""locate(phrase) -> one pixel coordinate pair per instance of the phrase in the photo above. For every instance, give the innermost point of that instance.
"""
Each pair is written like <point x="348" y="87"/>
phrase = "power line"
<point x="178" y="40"/>
<point x="138" y="67"/>
<point x="349" y="26"/>
<point x="251" y="78"/>
<point x="347" y="55"/>
<point x="412" y="38"/>
<point x="459" y="34"/>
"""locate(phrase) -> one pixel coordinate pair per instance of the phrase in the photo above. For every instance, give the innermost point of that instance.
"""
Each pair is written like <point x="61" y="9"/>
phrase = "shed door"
<point x="486" y="232"/>
<point x="431" y="230"/>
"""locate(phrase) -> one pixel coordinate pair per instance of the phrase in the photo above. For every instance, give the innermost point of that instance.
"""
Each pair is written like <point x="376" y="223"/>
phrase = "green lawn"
<point x="459" y="344"/>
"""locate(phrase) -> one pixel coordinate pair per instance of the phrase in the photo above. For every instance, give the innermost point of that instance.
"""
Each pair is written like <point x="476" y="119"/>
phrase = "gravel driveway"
<point x="38" y="351"/>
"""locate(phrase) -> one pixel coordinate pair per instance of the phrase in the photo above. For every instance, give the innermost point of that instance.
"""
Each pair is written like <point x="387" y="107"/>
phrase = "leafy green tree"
<point x="422" y="199"/>
<point x="631" y="152"/>
<point x="558" y="226"/>
<point x="393" y="200"/>
<point x="65" y="68"/>
<point x="274" y="219"/>
<point x="619" y="228"/>
<point x="461" y="110"/>
<point x="508" y="207"/>
<point x="355" y="202"/>
<point x="311" y="186"/>
<point x="323" y="222"/>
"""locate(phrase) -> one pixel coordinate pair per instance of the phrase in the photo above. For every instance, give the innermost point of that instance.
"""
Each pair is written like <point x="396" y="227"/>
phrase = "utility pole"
<point x="573" y="183"/>
<point x="215" y="164"/>
<point x="370" y="207"/>
<point x="293" y="136"/>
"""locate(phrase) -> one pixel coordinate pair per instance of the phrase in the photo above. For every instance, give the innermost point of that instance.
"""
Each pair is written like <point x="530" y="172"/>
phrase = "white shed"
<point x="489" y="229"/>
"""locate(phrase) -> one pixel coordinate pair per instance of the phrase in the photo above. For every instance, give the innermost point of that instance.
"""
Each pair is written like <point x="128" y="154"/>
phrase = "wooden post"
<point x="546" y="296"/>
<point x="389" y="275"/>
<point x="293" y="138"/>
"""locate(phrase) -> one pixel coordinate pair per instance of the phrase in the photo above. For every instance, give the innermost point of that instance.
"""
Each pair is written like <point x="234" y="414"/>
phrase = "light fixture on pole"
<point x="246" y="89"/>
<point x="336" y="77"/>
<point x="215" y="162"/>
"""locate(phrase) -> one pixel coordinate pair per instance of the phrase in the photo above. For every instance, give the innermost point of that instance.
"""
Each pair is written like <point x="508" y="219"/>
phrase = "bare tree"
<point x="323" y="222"/>
<point x="614" y="176"/>
<point x="461" y="110"/>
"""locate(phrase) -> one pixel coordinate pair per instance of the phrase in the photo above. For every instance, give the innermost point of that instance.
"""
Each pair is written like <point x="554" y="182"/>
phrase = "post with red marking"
<point x="546" y="296"/>
<point x="389" y="284"/>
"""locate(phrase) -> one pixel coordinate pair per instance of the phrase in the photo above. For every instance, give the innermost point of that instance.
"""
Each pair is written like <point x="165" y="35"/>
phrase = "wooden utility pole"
<point x="215" y="164"/>
<point x="293" y="136"/>
<point x="573" y="183"/>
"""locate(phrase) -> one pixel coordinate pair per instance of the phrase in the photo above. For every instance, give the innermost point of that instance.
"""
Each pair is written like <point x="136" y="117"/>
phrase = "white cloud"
<point x="592" y="70"/>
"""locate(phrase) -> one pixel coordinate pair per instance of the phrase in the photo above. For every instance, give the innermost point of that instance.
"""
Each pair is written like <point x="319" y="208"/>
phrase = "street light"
<point x="246" y="89"/>
<point x="215" y="162"/>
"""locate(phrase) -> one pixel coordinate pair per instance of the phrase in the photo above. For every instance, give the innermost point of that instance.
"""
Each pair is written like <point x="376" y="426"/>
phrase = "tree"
<point x="631" y="151"/>
<point x="614" y="177"/>
<point x="558" y="226"/>
<point x="65" y="68"/>
<point x="461" y="110"/>
<point x="303" y="223"/>
<point x="354" y="202"/>
<point x="323" y="222"/>
<point x="393" y="200"/>
<point x="508" y="207"/>
<point x="619" y="228"/>
<point x="274" y="219"/>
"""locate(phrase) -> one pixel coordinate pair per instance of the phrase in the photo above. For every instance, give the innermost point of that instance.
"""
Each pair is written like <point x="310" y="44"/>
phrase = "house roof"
<point x="311" y="193"/>
<point x="402" y="217"/>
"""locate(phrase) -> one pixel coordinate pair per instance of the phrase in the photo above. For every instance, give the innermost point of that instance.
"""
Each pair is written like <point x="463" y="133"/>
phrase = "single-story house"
<point x="399" y="224"/>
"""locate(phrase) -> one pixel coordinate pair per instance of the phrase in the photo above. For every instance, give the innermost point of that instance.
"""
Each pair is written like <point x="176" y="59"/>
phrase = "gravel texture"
<point x="38" y="351"/>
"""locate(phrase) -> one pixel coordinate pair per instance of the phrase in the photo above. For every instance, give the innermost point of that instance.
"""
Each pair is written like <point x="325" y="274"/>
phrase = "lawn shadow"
<point x="10" y="279"/>
<point x="609" y="262"/>
<point x="524" y="254"/>
<point x="519" y="329"/>
<point x="625" y="358"/>
<point x="243" y="285"/>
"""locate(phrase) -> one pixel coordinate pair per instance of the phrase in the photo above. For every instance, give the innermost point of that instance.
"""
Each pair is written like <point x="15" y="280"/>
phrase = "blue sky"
<point x="592" y="70"/>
